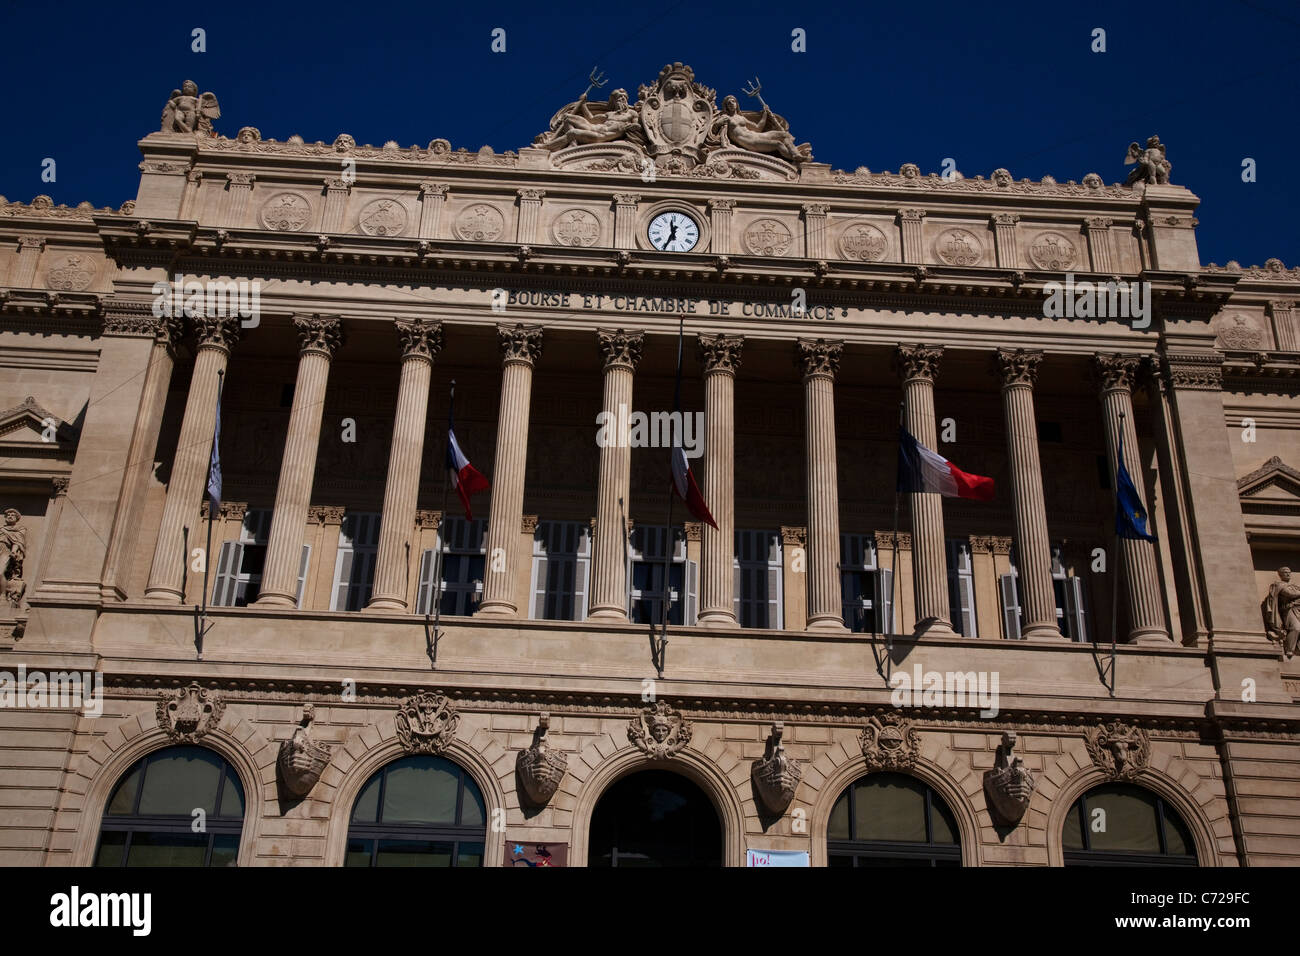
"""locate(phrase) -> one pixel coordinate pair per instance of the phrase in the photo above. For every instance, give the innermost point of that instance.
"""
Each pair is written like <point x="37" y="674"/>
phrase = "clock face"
<point x="673" y="232"/>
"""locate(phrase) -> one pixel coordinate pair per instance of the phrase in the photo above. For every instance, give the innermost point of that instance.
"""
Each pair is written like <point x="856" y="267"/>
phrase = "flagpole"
<point x="212" y="506"/>
<point x="442" y="541"/>
<point x="662" y="650"/>
<point x="1114" y="581"/>
<point x="893" y="576"/>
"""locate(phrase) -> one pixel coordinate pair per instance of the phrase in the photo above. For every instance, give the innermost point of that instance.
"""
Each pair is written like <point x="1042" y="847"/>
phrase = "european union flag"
<point x="214" y="463"/>
<point x="1130" y="516"/>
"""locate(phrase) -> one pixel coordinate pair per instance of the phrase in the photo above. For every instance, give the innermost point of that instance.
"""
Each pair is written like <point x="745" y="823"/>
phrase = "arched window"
<point x="654" y="818"/>
<point x="1119" y="824"/>
<point x="152" y="813"/>
<point x="418" y="811"/>
<point x="889" y="819"/>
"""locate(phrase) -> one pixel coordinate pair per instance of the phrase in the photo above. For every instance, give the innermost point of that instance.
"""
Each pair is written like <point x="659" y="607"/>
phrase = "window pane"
<point x="472" y="813"/>
<point x="420" y="793"/>
<point x="110" y="849"/>
<point x="1072" y="838"/>
<point x="413" y="853"/>
<point x="943" y="828"/>
<point x="179" y="782"/>
<point x="890" y="809"/>
<point x="123" y="800"/>
<point x="225" y="850"/>
<point x="1178" y="839"/>
<point x="1130" y="821"/>
<point x="232" y="796"/>
<point x="167" y="849"/>
<point x="367" y="805"/>
<point x="840" y="860"/>
<point x="358" y="853"/>
<point x="839" y="825"/>
<point x="469" y="854"/>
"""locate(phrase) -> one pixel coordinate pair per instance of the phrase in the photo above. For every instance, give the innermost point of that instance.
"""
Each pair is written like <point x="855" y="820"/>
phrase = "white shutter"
<point x="1009" y="587"/>
<point x="537" y="607"/>
<point x="775" y="583"/>
<point x="581" y="571"/>
<point x="228" y="562"/>
<point x="424" y="589"/>
<point x="885" y="599"/>
<point x="692" y="592"/>
<point x="1075" y="613"/>
<point x="342" y="579"/>
<point x="302" y="572"/>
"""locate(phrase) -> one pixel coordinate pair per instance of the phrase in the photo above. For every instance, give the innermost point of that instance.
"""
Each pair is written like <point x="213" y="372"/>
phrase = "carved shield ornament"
<point x="189" y="713"/>
<point x="659" y="731"/>
<point x="426" y="723"/>
<point x="889" y="742"/>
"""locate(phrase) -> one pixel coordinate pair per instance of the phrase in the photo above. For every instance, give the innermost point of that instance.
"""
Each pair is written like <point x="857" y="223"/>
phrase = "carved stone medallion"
<point x="1120" y="750"/>
<point x="864" y="242"/>
<point x="302" y="759"/>
<point x="1240" y="335"/>
<point x="382" y="217"/>
<point x="1009" y="786"/>
<point x="957" y="247"/>
<point x="480" y="223"/>
<point x="775" y="776"/>
<point x="576" y="227"/>
<point x="890" y="743"/>
<point x="768" y="237"/>
<point x="286" y="212"/>
<point x="1052" y="251"/>
<point x="426" y="723"/>
<point x="539" y="767"/>
<point x="189" y="713"/>
<point x="659" y="731"/>
<point x="71" y="273"/>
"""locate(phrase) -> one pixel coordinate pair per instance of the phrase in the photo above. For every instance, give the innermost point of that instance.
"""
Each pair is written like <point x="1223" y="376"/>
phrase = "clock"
<point x="673" y="231"/>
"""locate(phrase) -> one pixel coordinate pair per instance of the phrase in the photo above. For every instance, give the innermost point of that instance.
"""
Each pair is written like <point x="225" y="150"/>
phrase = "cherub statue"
<point x="189" y="112"/>
<point x="1281" y="610"/>
<point x="576" y="125"/>
<point x="1152" y="166"/>
<point x="768" y="133"/>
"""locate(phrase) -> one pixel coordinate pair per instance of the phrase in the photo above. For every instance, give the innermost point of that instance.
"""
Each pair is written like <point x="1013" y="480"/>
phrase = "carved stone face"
<point x="659" y="729"/>
<point x="12" y="517"/>
<point x="1283" y="573"/>
<point x="189" y="88"/>
<point x="618" y="100"/>
<point x="730" y="105"/>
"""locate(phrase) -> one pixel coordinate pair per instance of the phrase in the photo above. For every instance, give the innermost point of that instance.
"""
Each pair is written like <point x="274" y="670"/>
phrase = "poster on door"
<point x="776" y="858"/>
<point x="519" y="853"/>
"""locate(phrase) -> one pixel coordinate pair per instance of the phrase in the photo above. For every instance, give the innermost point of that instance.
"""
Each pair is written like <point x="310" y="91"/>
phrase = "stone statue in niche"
<point x="188" y="111"/>
<point x="1152" y="166"/>
<point x="13" y="550"/>
<point x="576" y="125"/>
<point x="1009" y="786"/>
<point x="1281" y="610"/>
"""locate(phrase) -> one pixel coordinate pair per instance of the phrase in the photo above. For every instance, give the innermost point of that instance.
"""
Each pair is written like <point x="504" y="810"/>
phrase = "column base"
<point x="385" y="605"/>
<point x="272" y="599"/>
<point x="1042" y="632"/>
<point x="497" y="609"/>
<point x="717" y="619"/>
<point x="1150" y="637"/>
<point x="826" y="623"/>
<point x="608" y="615"/>
<point x="934" y="627"/>
<point x="164" y="596"/>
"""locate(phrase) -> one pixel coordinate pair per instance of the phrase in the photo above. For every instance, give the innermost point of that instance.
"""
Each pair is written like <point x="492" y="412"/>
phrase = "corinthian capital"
<point x="1017" y="366"/>
<point x="721" y="353"/>
<point x="318" y="333"/>
<point x="620" y="347"/>
<point x="520" y="343"/>
<point x="818" y="356"/>
<point x="216" y="332"/>
<point x="1115" y="369"/>
<point x="420" y="338"/>
<point x="918" y="361"/>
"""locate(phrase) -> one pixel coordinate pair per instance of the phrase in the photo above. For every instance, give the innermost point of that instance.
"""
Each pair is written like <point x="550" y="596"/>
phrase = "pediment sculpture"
<point x="674" y="125"/>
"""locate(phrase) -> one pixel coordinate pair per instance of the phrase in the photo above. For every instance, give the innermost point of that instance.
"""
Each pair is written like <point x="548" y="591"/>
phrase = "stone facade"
<point x="819" y="305"/>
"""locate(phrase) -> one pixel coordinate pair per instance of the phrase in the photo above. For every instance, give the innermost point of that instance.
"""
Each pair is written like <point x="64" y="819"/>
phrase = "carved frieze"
<point x="1009" y="786"/>
<point x="480" y="222"/>
<point x="426" y="723"/>
<point x="286" y="212"/>
<point x="1196" y="371"/>
<point x="775" y="775"/>
<point x="958" y="247"/>
<point x="382" y="217"/>
<point x="659" y="731"/>
<point x="301" y="759"/>
<point x="71" y="273"/>
<point x="863" y="242"/>
<point x="540" y="768"/>
<point x="189" y="713"/>
<point x="890" y="742"/>
<point x="576" y="227"/>
<point x="1120" y="750"/>
<point x="1240" y="334"/>
<point x="768" y="237"/>
<point x="1053" y="251"/>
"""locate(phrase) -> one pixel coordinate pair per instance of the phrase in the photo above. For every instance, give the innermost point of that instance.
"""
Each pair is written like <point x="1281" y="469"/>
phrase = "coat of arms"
<point x="189" y="713"/>
<point x="426" y="723"/>
<point x="659" y="731"/>
<point x="889" y="743"/>
<point x="1121" y="751"/>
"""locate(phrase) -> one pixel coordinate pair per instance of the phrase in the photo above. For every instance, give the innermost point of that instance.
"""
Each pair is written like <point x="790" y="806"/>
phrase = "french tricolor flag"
<point x="922" y="470"/>
<point x="465" y="478"/>
<point x="686" y="488"/>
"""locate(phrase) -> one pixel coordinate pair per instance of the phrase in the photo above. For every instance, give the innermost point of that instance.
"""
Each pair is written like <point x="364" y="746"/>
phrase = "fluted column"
<point x="608" y="602"/>
<point x="421" y="342"/>
<point x="521" y="346"/>
<point x="1018" y="370"/>
<point x="216" y="337"/>
<point x="1116" y="374"/>
<point x="819" y="360"/>
<point x="919" y="364"/>
<point x="318" y="337"/>
<point x="720" y="355"/>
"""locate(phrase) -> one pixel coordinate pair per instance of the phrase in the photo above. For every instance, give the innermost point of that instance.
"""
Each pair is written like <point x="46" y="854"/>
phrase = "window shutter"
<point x="1075" y="614"/>
<point x="581" y="571"/>
<point x="424" y="589"/>
<point x="537" y="608"/>
<point x="1008" y="585"/>
<point x="692" y="589"/>
<point x="228" y="561"/>
<point x="302" y="571"/>
<point x="885" y="600"/>
<point x="342" y="580"/>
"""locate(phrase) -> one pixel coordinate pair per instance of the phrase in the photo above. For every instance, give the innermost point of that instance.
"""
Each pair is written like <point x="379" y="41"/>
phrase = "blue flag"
<point x="1130" y="516"/>
<point x="214" y="466"/>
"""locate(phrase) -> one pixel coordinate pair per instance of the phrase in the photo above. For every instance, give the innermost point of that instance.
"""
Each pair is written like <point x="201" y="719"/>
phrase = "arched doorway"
<point x="1119" y="824"/>
<point x="151" y="816"/>
<point x="891" y="819"/>
<point x="654" y="818"/>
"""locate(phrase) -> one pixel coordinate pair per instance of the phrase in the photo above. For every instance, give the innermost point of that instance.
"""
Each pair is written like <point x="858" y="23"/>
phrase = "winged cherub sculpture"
<point x="1152" y="166"/>
<point x="189" y="112"/>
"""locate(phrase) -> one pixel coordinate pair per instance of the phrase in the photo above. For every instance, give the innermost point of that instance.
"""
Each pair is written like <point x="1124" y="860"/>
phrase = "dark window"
<point x="1103" y="472"/>
<point x="890" y="819"/>
<point x="654" y="819"/>
<point x="1122" y="825"/>
<point x="418" y="811"/>
<point x="151" y="814"/>
<point x="286" y="395"/>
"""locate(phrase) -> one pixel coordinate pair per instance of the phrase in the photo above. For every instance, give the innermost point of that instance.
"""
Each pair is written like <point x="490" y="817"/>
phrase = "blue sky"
<point x="1006" y="84"/>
